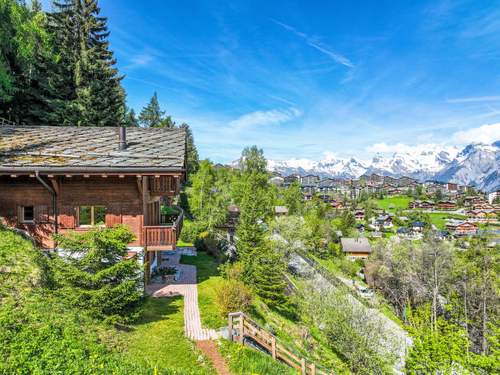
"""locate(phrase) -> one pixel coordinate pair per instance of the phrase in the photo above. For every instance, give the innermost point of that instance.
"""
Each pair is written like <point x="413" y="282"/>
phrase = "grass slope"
<point x="243" y="361"/>
<point x="391" y="204"/>
<point x="157" y="340"/>
<point x="439" y="219"/>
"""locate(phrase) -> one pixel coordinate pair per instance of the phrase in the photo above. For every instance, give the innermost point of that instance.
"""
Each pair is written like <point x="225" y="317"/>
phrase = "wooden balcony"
<point x="162" y="237"/>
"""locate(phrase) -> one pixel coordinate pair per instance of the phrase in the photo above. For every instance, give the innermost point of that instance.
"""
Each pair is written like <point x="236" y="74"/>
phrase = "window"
<point x="91" y="216"/>
<point x="28" y="214"/>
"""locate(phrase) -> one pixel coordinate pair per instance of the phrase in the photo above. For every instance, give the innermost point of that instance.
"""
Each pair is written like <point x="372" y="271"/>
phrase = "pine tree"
<point x="193" y="161"/>
<point x="25" y="53"/>
<point x="151" y="116"/>
<point x="131" y="118"/>
<point x="86" y="66"/>
<point x="268" y="276"/>
<point x="98" y="278"/>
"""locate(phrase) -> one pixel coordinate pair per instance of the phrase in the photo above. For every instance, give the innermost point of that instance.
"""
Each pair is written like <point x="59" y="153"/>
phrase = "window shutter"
<point x="67" y="217"/>
<point x="113" y="215"/>
<point x="41" y="214"/>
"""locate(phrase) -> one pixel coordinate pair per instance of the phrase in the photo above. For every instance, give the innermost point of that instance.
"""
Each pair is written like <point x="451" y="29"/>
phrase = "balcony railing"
<point x="162" y="237"/>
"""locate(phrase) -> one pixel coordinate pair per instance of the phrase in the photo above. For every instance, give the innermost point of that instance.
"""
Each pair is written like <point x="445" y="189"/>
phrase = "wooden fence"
<point x="4" y="121"/>
<point x="241" y="327"/>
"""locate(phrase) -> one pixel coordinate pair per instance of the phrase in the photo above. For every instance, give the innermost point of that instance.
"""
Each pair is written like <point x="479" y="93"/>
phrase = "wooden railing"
<point x="4" y="121"/>
<point x="241" y="327"/>
<point x="159" y="237"/>
<point x="162" y="237"/>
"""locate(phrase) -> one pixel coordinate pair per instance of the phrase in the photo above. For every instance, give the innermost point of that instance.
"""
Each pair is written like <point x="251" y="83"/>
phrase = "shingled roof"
<point x="91" y="149"/>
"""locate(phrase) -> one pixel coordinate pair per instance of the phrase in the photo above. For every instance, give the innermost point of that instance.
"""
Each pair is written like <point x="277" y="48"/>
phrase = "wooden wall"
<point x="120" y="196"/>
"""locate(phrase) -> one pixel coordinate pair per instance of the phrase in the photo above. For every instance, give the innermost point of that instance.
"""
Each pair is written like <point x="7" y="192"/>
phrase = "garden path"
<point x="185" y="286"/>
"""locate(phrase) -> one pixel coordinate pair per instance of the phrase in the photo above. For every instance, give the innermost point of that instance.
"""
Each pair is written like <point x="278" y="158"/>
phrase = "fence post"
<point x="273" y="347"/>
<point x="241" y="328"/>
<point x="303" y="366"/>
<point x="230" y="327"/>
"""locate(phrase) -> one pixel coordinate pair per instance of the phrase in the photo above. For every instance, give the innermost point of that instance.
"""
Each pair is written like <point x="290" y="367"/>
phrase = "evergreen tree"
<point x="95" y="276"/>
<point x="151" y="116"/>
<point x="130" y="118"/>
<point x="86" y="66"/>
<point x="268" y="276"/>
<point x="25" y="54"/>
<point x="191" y="151"/>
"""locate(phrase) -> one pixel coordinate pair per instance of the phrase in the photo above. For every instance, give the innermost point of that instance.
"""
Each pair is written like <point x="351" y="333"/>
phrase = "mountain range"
<point x="475" y="165"/>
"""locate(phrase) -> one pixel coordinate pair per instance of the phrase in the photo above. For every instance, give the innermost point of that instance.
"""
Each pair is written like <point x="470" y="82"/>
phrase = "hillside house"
<point x="309" y="183"/>
<point x="465" y="229"/>
<point x="417" y="226"/>
<point x="446" y="206"/>
<point x="382" y="222"/>
<point x="356" y="248"/>
<point x="359" y="214"/>
<point x="280" y="211"/>
<point x="55" y="179"/>
<point x="288" y="180"/>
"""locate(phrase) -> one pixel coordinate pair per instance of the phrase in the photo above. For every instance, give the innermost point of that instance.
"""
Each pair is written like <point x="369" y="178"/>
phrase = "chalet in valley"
<point x="57" y="179"/>
<point x="356" y="248"/>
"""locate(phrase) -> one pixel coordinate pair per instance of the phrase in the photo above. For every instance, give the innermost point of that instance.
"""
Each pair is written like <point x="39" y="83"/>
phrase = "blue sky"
<point x="314" y="78"/>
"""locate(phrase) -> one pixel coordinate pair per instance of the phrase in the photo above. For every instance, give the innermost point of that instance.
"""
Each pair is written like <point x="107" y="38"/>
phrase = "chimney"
<point x="122" y="138"/>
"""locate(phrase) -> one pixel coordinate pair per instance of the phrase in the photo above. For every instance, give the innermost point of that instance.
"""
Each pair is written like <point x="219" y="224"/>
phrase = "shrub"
<point x="232" y="296"/>
<point x="189" y="232"/>
<point x="232" y="271"/>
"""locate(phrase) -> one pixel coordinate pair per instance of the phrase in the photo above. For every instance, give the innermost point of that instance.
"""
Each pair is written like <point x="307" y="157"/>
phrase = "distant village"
<point x="450" y="210"/>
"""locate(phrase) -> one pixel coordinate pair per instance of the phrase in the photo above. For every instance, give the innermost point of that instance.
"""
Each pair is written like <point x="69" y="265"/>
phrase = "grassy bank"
<point x="243" y="361"/>
<point x="157" y="340"/>
<point x="391" y="204"/>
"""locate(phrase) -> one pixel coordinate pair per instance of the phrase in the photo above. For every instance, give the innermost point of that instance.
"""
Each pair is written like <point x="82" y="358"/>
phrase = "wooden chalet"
<point x="356" y="248"/>
<point x="55" y="179"/>
<point x="466" y="229"/>
<point x="446" y="205"/>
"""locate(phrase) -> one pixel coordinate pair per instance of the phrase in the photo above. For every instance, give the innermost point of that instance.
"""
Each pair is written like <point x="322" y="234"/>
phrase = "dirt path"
<point x="209" y="348"/>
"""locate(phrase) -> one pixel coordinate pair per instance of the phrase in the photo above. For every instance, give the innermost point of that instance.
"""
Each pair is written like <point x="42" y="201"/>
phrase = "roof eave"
<point x="76" y="170"/>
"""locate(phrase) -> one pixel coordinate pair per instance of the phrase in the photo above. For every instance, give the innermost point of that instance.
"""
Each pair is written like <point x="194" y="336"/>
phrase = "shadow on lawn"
<point x="155" y="309"/>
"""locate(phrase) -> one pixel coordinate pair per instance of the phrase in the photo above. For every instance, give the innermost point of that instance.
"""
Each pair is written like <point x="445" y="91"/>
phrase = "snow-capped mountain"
<point x="476" y="164"/>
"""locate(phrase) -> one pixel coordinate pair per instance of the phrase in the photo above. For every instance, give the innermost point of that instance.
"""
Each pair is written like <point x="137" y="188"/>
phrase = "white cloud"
<point x="274" y="116"/>
<point x="475" y="99"/>
<point x="312" y="42"/>
<point x="483" y="134"/>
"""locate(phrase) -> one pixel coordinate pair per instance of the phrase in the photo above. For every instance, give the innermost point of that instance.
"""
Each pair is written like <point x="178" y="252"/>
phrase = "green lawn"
<point x="393" y="203"/>
<point x="439" y="219"/>
<point x="158" y="340"/>
<point x="243" y="361"/>
<point x="208" y="282"/>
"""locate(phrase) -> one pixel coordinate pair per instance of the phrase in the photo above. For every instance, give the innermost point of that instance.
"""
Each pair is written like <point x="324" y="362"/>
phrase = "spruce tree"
<point x="86" y="66"/>
<point x="151" y="116"/>
<point x="268" y="276"/>
<point x="95" y="276"/>
<point x="193" y="161"/>
<point x="131" y="118"/>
